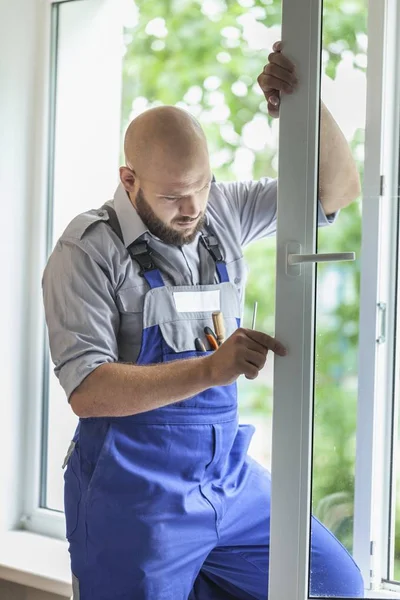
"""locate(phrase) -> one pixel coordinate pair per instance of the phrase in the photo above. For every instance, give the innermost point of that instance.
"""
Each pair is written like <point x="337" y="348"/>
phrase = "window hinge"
<point x="382" y="185"/>
<point x="381" y="337"/>
<point x="372" y="548"/>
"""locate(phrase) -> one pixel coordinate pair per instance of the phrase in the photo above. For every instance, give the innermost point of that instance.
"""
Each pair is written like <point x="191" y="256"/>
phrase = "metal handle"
<point x="294" y="258"/>
<point x="382" y="322"/>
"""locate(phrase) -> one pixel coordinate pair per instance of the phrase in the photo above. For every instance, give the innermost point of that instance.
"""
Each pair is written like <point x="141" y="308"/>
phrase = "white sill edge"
<point x="35" y="561"/>
<point x="43" y="563"/>
<point x="382" y="594"/>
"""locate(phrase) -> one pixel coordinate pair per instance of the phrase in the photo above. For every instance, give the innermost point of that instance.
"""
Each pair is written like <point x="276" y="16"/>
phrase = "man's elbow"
<point x="350" y="195"/>
<point x="80" y="403"/>
<point x="355" y="189"/>
<point x="351" y="185"/>
<point x="87" y="399"/>
<point x="336" y="199"/>
<point x="81" y="399"/>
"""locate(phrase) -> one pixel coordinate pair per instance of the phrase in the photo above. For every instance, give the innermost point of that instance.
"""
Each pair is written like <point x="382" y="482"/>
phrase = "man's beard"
<point x="158" y="228"/>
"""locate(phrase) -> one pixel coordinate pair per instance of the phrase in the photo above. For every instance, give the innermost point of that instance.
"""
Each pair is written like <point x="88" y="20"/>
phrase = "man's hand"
<point x="278" y="76"/>
<point x="243" y="353"/>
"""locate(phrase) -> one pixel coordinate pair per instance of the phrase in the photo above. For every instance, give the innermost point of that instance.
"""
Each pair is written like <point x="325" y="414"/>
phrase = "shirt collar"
<point x="131" y="224"/>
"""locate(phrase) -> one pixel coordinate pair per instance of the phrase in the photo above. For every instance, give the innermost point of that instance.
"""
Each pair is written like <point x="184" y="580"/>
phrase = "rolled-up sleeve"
<point x="81" y="314"/>
<point x="256" y="202"/>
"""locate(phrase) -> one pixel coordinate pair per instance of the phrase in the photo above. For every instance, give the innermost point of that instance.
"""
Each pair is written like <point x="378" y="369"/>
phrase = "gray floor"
<point x="13" y="591"/>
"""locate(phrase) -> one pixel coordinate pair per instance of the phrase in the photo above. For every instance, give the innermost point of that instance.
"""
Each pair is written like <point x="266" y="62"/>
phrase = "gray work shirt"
<point x="90" y="278"/>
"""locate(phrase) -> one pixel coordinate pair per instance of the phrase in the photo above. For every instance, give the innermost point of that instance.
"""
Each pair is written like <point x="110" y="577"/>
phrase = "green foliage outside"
<point x="163" y="62"/>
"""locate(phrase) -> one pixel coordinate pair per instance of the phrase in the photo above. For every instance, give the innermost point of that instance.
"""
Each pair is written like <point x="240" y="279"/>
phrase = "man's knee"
<point x="333" y="572"/>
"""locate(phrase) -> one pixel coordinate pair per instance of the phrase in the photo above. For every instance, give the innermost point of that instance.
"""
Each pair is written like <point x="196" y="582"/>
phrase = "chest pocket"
<point x="130" y="303"/>
<point x="179" y="335"/>
<point x="180" y="329"/>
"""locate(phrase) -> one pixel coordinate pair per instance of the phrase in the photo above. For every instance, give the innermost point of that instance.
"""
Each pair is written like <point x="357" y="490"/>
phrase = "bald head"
<point x="162" y="139"/>
<point x="167" y="174"/>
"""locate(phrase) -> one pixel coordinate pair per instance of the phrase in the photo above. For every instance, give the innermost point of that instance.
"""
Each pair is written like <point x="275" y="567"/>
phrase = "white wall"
<point x="18" y="47"/>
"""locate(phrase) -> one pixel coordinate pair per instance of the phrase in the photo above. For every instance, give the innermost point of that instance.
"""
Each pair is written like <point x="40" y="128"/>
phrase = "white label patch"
<point x="197" y="301"/>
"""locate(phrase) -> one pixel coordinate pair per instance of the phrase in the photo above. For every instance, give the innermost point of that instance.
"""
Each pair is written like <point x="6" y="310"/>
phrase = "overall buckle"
<point x="212" y="245"/>
<point x="141" y="253"/>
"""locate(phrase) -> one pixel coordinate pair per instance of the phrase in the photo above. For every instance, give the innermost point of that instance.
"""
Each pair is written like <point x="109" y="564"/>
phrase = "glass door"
<point x="295" y="297"/>
<point x="317" y="297"/>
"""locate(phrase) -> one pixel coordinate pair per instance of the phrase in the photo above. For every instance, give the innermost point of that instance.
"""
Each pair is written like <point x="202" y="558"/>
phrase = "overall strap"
<point x="210" y="242"/>
<point x="140" y="252"/>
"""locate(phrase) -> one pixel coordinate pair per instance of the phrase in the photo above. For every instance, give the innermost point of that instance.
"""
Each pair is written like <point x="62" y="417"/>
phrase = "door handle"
<point x="295" y="258"/>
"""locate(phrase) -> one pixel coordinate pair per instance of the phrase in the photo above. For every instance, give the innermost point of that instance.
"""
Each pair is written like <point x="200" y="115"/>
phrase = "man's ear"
<point x="128" y="178"/>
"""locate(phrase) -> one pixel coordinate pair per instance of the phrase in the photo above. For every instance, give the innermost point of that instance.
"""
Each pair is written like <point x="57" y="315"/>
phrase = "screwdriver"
<point x="219" y="326"/>
<point x="253" y="324"/>
<point x="212" y="340"/>
<point x="200" y="347"/>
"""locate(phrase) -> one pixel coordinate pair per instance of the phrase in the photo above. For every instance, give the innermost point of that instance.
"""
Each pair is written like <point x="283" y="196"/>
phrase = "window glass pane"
<point x="213" y="53"/>
<point x="61" y="425"/>
<point x="394" y="554"/>
<point x="85" y="164"/>
<point x="343" y="91"/>
<point x="221" y="90"/>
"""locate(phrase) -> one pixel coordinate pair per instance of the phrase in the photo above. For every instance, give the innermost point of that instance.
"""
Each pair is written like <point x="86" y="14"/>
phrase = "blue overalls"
<point x="166" y="504"/>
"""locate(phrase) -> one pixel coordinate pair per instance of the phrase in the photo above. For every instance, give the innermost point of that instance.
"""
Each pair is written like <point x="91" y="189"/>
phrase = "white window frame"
<point x="387" y="359"/>
<point x="367" y="446"/>
<point x="293" y="378"/>
<point x="35" y="518"/>
<point x="376" y="421"/>
<point x="295" y="295"/>
<point x="25" y="558"/>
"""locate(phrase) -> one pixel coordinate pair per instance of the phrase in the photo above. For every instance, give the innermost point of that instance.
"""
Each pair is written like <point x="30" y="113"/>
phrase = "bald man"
<point x="162" y="501"/>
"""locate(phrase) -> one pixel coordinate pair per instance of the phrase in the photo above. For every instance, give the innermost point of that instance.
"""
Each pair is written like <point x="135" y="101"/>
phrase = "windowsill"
<point x="382" y="594"/>
<point x="43" y="563"/>
<point x="35" y="561"/>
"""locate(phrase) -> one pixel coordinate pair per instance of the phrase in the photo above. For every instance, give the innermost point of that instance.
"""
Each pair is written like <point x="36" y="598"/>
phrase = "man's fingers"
<point x="251" y="373"/>
<point x="282" y="61"/>
<point x="267" y="341"/>
<point x="279" y="73"/>
<point x="255" y="346"/>
<point x="277" y="47"/>
<point x="268" y="81"/>
<point x="255" y="358"/>
<point x="274" y="101"/>
<point x="273" y="98"/>
<point x="273" y="112"/>
<point x="271" y="84"/>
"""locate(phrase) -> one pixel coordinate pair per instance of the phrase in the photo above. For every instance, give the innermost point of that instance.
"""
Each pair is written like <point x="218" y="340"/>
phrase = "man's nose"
<point x="189" y="207"/>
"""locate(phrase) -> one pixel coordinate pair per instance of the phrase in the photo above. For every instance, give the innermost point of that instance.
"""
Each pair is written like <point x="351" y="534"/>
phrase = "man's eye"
<point x="169" y="198"/>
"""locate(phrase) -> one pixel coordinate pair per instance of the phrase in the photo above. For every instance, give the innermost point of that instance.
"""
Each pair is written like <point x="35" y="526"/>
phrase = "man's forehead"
<point x="180" y="187"/>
